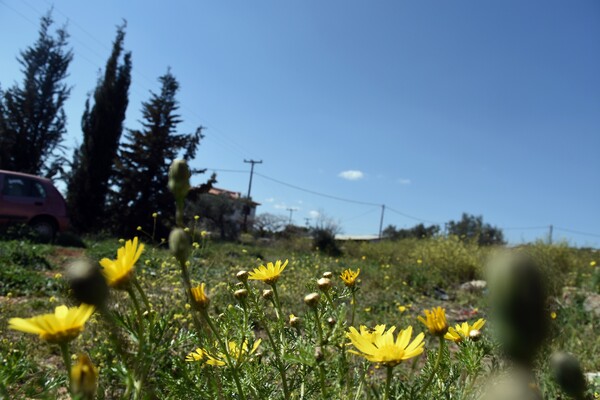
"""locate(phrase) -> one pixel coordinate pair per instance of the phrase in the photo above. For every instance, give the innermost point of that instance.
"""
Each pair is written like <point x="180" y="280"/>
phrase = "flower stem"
<point x="280" y="366"/>
<point x="330" y="301"/>
<point x="138" y="311"/>
<point x="142" y="293"/>
<point x="318" y="323"/>
<point x="225" y="351"/>
<point x="388" y="382"/>
<point x="276" y="302"/>
<point x="321" y="367"/>
<point x="64" y="350"/>
<point x="435" y="367"/>
<point x="353" y="307"/>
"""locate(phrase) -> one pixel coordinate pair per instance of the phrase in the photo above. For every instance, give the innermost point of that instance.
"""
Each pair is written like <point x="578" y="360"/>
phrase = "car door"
<point x="21" y="198"/>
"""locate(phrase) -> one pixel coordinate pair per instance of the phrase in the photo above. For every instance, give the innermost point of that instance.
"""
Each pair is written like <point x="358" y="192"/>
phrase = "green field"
<point x="397" y="282"/>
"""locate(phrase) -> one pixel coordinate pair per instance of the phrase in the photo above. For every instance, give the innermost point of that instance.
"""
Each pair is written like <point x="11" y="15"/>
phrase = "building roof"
<point x="357" y="237"/>
<point x="232" y="195"/>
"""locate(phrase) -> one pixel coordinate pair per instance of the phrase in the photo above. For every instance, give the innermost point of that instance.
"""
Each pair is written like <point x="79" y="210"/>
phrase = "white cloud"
<point x="404" y="181"/>
<point x="280" y="206"/>
<point x="270" y="200"/>
<point x="314" y="214"/>
<point x="351" y="175"/>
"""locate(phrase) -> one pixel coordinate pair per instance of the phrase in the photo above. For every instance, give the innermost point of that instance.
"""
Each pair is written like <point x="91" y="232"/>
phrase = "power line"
<point x="364" y="203"/>
<point x="412" y="217"/>
<point x="227" y="170"/>
<point x="577" y="232"/>
<point x="525" y="228"/>
<point x="360" y="215"/>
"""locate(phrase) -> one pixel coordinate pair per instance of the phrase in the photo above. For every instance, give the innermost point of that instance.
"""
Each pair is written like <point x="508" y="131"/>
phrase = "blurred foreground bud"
<point x="311" y="300"/>
<point x="179" y="243"/>
<point x="517" y="298"/>
<point x="567" y="372"/>
<point x="87" y="282"/>
<point x="328" y="274"/>
<point x="517" y="384"/>
<point x="84" y="378"/>
<point x="179" y="179"/>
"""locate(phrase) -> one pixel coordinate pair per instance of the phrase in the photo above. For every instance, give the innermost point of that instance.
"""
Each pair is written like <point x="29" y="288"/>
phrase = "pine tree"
<point x="102" y="126"/>
<point x="145" y="157"/>
<point x="33" y="120"/>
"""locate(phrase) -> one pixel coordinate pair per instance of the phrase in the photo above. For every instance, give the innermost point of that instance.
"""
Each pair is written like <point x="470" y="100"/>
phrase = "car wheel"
<point x="45" y="230"/>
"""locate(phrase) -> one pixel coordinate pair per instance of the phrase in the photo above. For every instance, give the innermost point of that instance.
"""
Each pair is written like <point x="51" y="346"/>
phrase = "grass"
<point x="398" y="280"/>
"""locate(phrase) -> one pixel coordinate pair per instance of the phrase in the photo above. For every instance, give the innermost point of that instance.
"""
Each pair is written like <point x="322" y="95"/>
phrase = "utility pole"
<point x="551" y="228"/>
<point x="291" y="210"/>
<point x="247" y="206"/>
<point x="381" y="220"/>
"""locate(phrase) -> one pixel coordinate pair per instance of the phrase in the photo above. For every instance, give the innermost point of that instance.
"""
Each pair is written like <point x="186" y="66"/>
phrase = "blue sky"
<point x="439" y="108"/>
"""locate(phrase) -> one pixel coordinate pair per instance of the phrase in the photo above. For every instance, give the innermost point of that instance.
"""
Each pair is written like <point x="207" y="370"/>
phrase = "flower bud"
<point x="87" y="282"/>
<point x="242" y="276"/>
<point x="319" y="356"/>
<point x="475" y="335"/>
<point x="331" y="321"/>
<point x="240" y="294"/>
<point x="84" y="378"/>
<point x="294" y="321"/>
<point x="567" y="372"/>
<point x="328" y="274"/>
<point x="324" y="284"/>
<point x="312" y="299"/>
<point x="267" y="294"/>
<point x="179" y="243"/>
<point x="179" y="179"/>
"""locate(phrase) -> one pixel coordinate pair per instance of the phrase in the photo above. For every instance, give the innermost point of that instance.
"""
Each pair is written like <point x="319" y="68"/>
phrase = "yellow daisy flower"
<point x="349" y="277"/>
<point x="196" y="355"/>
<point x="61" y="327"/>
<point x="199" y="296"/>
<point x="235" y="352"/>
<point x="371" y="334"/>
<point x="379" y="346"/>
<point x="118" y="272"/>
<point x="269" y="273"/>
<point x="84" y="377"/>
<point x="435" y="320"/>
<point x="463" y="331"/>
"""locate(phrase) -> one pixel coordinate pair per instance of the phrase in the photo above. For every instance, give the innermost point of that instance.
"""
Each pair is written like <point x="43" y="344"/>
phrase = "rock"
<point x="441" y="294"/>
<point x="591" y="304"/>
<point x="474" y="286"/>
<point x="593" y="377"/>
<point x="591" y="301"/>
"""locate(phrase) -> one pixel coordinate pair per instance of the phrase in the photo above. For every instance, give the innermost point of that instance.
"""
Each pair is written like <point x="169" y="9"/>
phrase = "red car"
<point x="32" y="200"/>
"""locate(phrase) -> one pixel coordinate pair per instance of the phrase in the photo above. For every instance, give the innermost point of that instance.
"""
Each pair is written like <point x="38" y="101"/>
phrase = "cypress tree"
<point x="145" y="157"/>
<point x="33" y="120"/>
<point x="102" y="126"/>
